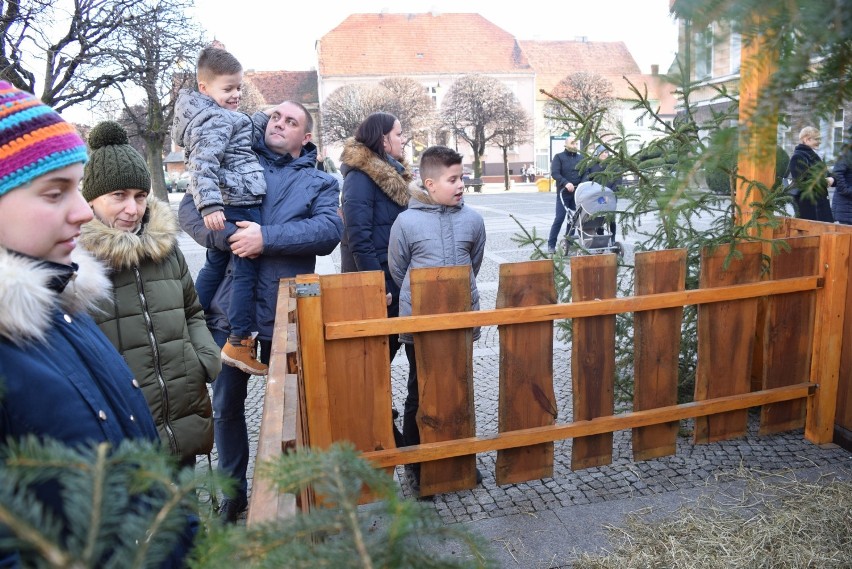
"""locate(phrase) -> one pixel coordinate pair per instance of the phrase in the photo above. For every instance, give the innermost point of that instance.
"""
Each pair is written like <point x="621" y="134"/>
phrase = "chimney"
<point x="655" y="69"/>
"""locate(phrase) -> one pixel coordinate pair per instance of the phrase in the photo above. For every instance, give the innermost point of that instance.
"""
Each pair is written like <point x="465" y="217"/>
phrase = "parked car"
<point x="182" y="182"/>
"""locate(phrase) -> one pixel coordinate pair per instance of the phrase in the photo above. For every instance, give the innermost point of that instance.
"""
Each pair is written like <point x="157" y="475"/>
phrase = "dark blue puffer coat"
<point x="375" y="192"/>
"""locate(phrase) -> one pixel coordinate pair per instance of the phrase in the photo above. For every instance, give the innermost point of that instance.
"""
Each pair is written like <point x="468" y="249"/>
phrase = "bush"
<point x="719" y="179"/>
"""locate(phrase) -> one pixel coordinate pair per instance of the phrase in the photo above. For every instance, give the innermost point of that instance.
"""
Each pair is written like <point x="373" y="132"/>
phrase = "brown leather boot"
<point x="243" y="357"/>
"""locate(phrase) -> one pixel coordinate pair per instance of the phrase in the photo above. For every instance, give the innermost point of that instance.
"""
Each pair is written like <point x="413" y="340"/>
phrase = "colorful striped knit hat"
<point x="34" y="139"/>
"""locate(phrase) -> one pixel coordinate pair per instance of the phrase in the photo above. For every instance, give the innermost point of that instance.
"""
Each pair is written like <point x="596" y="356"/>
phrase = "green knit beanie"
<point x="113" y="164"/>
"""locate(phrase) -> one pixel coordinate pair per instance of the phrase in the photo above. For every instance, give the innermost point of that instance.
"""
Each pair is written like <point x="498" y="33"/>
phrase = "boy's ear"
<point x="428" y="183"/>
<point x="202" y="87"/>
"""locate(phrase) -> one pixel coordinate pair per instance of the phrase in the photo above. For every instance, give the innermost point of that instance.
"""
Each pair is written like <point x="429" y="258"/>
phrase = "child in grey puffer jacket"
<point x="227" y="184"/>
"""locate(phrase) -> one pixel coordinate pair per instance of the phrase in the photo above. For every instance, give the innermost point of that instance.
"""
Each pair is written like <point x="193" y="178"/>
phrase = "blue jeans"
<point x="229" y="420"/>
<point x="241" y="305"/>
<point x="559" y="219"/>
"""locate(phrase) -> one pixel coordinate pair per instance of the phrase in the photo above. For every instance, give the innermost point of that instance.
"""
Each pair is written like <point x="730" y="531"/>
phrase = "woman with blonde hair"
<point x="810" y="180"/>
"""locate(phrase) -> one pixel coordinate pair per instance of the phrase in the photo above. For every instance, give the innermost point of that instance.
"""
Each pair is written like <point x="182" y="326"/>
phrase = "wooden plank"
<point x="444" y="376"/>
<point x="597" y="307"/>
<point x="358" y="370"/>
<point x="593" y="357"/>
<point x="726" y="334"/>
<point x="788" y="334"/>
<point x="843" y="415"/>
<point x="633" y="420"/>
<point x="828" y="335"/>
<point x="758" y="116"/>
<point x="656" y="340"/>
<point x="266" y="503"/>
<point x="313" y="365"/>
<point x="526" y="397"/>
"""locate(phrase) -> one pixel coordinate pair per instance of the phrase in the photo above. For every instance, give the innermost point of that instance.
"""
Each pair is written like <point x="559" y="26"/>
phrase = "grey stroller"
<point x="589" y="228"/>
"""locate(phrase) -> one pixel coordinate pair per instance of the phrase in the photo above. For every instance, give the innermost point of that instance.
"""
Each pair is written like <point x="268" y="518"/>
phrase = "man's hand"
<point x="830" y="181"/>
<point x="569" y="186"/>
<point x="215" y="221"/>
<point x="247" y="241"/>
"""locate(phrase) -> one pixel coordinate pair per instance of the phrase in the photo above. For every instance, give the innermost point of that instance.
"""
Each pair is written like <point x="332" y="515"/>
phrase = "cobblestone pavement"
<point x="547" y="499"/>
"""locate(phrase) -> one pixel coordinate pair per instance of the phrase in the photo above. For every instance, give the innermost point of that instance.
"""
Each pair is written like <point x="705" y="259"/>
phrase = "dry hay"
<point x="760" y="521"/>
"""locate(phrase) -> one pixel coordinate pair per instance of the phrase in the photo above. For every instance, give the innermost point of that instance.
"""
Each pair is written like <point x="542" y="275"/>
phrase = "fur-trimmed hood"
<point x="393" y="183"/>
<point x="27" y="302"/>
<point x="120" y="249"/>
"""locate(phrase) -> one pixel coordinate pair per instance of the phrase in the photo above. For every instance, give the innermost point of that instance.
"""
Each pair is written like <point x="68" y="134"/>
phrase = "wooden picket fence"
<point x="773" y="340"/>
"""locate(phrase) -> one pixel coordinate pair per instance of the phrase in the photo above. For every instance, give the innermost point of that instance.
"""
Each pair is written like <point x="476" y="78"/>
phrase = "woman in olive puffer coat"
<point x="154" y="319"/>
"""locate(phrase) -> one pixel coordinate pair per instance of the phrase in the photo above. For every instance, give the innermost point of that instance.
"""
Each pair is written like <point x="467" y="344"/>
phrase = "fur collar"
<point x="393" y="183"/>
<point x="27" y="302"/>
<point x="120" y="249"/>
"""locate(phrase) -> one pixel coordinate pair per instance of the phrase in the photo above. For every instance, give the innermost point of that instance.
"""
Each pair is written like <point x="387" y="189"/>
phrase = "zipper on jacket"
<point x="158" y="368"/>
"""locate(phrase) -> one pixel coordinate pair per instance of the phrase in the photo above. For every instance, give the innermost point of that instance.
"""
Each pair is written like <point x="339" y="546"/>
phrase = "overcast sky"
<point x="267" y="35"/>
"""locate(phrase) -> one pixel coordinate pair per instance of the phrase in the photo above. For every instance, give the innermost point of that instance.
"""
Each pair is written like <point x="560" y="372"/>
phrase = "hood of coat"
<point x="421" y="199"/>
<point x="28" y="301"/>
<point x="393" y="183"/>
<point x="120" y="249"/>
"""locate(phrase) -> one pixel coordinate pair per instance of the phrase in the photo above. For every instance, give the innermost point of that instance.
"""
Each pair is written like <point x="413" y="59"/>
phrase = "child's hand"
<point x="388" y="298"/>
<point x="215" y="221"/>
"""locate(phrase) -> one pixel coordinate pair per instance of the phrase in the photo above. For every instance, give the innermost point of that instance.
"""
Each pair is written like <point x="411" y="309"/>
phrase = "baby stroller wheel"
<point x="568" y="246"/>
<point x="618" y="248"/>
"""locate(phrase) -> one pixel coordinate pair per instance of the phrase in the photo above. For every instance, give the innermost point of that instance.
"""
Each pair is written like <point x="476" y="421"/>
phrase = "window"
<point x="837" y="133"/>
<point x="703" y="41"/>
<point x="736" y="48"/>
<point x="785" y="134"/>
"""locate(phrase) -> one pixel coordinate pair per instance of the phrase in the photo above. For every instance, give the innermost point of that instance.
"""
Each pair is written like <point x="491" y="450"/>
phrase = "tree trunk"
<point x="154" y="159"/>
<point x="506" y="168"/>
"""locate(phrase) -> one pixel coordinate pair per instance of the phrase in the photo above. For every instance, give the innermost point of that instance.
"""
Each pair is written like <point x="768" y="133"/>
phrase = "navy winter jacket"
<point x="61" y="377"/>
<point x="564" y="169"/>
<point x="375" y="192"/>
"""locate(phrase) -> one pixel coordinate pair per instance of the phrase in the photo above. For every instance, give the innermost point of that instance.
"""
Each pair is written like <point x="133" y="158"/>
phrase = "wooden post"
<point x="656" y="340"/>
<point x="526" y="394"/>
<point x="444" y="376"/>
<point x="758" y="119"/>
<point x="787" y="334"/>
<point x="726" y="335"/>
<point x="312" y="352"/>
<point x="828" y="334"/>
<point x="593" y="358"/>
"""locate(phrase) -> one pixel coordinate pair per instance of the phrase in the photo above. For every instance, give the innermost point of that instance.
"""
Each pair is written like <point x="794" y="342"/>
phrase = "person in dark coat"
<point x="841" y="205"/>
<point x="597" y="173"/>
<point x="375" y="191"/>
<point x="567" y="176"/>
<point x="810" y="182"/>
<point x="61" y="378"/>
<point x="299" y="222"/>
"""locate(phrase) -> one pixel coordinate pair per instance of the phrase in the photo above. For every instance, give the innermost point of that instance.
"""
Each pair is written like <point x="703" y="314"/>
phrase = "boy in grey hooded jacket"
<point x="436" y="230"/>
<point x="227" y="184"/>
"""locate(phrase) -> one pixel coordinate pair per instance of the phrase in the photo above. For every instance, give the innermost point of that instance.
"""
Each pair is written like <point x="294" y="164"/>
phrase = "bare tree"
<point x="407" y="100"/>
<point x="70" y="38"/>
<point x="344" y="109"/>
<point x="581" y="98"/>
<point x="517" y="130"/>
<point x="154" y="51"/>
<point x="251" y="99"/>
<point x="403" y="97"/>
<point x="476" y="109"/>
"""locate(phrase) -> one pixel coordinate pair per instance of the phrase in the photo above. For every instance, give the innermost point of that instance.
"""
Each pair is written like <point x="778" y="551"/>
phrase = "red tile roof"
<point x="555" y="60"/>
<point x="278" y="86"/>
<point x="420" y="44"/>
